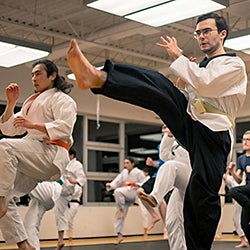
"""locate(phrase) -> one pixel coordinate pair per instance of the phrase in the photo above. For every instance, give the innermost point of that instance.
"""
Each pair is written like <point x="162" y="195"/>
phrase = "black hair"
<point x="59" y="82"/>
<point x="72" y="151"/>
<point x="132" y="160"/>
<point x="220" y="21"/>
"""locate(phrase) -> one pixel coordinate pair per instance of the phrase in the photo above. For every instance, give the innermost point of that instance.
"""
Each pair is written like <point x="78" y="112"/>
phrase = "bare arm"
<point x="237" y="175"/>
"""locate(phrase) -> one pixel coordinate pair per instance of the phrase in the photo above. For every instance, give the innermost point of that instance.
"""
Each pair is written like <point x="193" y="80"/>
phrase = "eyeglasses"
<point x="245" y="139"/>
<point x="204" y="32"/>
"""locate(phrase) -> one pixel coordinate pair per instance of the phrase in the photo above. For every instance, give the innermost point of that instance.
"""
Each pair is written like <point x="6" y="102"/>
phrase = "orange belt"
<point x="129" y="184"/>
<point x="58" y="143"/>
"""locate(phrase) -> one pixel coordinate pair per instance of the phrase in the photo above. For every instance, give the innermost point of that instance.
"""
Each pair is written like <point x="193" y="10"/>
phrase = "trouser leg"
<point x="174" y="221"/>
<point x="245" y="219"/>
<point x="164" y="181"/>
<point x="60" y="208"/>
<point x="202" y="203"/>
<point x="32" y="158"/>
<point x="237" y="218"/>
<point x="119" y="223"/>
<point x="242" y="195"/>
<point x="32" y="221"/>
<point x="148" y="89"/>
<point x="11" y="225"/>
<point x="70" y="215"/>
<point x="124" y="197"/>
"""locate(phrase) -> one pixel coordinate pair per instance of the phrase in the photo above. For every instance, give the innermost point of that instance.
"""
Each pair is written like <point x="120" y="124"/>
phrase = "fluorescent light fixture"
<point x="71" y="76"/>
<point x="155" y="12"/>
<point x="152" y="137"/>
<point x="123" y="7"/>
<point x="239" y="40"/>
<point x="143" y="151"/>
<point x="174" y="11"/>
<point x="14" y="52"/>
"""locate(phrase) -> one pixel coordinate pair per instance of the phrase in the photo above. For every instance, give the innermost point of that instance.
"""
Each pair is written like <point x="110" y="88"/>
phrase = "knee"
<point x="4" y="148"/>
<point x="117" y="192"/>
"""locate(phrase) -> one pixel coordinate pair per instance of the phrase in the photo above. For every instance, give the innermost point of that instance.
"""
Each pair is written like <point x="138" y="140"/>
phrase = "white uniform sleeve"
<point x="220" y="78"/>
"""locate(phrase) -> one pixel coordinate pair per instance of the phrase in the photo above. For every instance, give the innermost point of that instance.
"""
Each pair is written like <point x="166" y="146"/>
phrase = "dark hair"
<point x="59" y="81"/>
<point x="72" y="151"/>
<point x="132" y="160"/>
<point x="220" y="21"/>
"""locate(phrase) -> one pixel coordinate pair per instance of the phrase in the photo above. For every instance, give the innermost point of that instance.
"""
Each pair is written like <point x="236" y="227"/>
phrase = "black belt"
<point x="76" y="201"/>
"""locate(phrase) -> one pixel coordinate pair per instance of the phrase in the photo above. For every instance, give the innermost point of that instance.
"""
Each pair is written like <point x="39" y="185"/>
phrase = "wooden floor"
<point x="110" y="240"/>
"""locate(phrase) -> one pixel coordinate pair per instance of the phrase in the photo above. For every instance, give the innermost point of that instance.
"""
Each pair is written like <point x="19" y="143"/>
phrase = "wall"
<point x="95" y="221"/>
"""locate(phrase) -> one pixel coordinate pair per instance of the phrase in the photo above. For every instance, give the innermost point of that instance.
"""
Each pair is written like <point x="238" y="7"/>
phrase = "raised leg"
<point x="87" y="76"/>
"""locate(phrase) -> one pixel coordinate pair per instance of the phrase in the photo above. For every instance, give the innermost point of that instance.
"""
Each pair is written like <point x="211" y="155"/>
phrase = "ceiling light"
<point x="121" y="7"/>
<point x="239" y="40"/>
<point x="14" y="52"/>
<point x="156" y="13"/>
<point x="174" y="11"/>
<point x="143" y="151"/>
<point x="71" y="76"/>
<point x="152" y="137"/>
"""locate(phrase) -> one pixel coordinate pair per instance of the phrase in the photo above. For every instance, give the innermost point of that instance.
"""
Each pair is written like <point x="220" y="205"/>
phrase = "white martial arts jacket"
<point x="54" y="108"/>
<point x="222" y="84"/>
<point x="75" y="170"/>
<point x="135" y="175"/>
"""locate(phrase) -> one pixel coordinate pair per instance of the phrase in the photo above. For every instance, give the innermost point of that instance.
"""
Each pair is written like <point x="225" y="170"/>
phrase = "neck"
<point x="248" y="153"/>
<point x="218" y="52"/>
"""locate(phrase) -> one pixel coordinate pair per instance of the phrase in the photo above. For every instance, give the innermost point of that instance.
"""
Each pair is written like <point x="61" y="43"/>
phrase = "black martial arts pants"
<point x="242" y="195"/>
<point x="208" y="150"/>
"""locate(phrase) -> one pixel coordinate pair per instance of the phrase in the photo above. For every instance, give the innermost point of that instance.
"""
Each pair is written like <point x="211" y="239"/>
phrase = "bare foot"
<point x="154" y="221"/>
<point x="165" y="233"/>
<point x="149" y="199"/>
<point x="60" y="245"/>
<point x="241" y="245"/>
<point x="119" y="239"/>
<point x="70" y="241"/>
<point x="145" y="234"/>
<point x="217" y="237"/>
<point x="25" y="245"/>
<point x="87" y="76"/>
<point x="121" y="214"/>
<point x="155" y="216"/>
<point x="3" y="206"/>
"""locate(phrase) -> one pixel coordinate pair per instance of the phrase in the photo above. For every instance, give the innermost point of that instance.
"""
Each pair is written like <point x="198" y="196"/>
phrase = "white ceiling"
<point x="102" y="35"/>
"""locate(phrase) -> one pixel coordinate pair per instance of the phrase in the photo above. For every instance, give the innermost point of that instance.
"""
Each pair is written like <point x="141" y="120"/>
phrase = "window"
<point x="107" y="133"/>
<point x="240" y="128"/>
<point x="103" y="161"/>
<point x="106" y="147"/>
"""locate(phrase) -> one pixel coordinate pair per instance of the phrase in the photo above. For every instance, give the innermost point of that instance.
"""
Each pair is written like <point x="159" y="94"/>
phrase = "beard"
<point x="210" y="49"/>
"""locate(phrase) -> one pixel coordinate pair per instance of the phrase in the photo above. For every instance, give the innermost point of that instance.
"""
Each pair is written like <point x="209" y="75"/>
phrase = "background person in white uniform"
<point x="72" y="177"/>
<point x="48" y="117"/>
<point x="125" y="185"/>
<point x="173" y="174"/>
